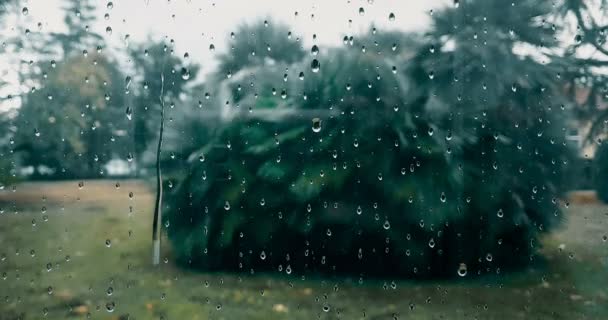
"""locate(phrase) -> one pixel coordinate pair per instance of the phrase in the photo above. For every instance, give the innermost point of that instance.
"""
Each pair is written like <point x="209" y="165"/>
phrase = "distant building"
<point x="119" y="167"/>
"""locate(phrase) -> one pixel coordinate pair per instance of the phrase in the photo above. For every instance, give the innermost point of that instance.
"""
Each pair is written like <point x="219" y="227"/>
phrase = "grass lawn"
<point x="77" y="253"/>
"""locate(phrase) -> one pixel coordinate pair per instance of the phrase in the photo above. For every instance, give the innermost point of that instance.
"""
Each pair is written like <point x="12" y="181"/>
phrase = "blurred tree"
<point x="5" y="5"/>
<point x="263" y="42"/>
<point x="79" y="17"/>
<point x="75" y="123"/>
<point x="445" y="158"/>
<point x="587" y="58"/>
<point x="150" y="61"/>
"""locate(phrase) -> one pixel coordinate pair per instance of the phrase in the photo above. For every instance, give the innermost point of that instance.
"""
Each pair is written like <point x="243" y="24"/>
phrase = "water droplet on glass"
<point x="110" y="306"/>
<point x="315" y="65"/>
<point x="314" y="50"/>
<point x="316" y="125"/>
<point x="386" y="225"/>
<point x="25" y="11"/>
<point x="391" y="17"/>
<point x="462" y="270"/>
<point x="185" y="73"/>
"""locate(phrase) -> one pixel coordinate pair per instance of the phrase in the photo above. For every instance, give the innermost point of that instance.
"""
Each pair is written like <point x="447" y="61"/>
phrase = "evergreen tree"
<point x="445" y="158"/>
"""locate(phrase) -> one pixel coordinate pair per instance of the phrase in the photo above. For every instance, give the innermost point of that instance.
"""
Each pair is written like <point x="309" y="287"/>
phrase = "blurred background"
<point x="359" y="159"/>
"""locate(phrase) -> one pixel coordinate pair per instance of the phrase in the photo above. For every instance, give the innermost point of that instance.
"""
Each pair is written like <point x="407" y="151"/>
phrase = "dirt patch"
<point x="583" y="197"/>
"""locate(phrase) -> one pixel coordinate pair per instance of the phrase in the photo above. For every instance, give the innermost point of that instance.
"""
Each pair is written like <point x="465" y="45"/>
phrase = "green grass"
<point x="571" y="283"/>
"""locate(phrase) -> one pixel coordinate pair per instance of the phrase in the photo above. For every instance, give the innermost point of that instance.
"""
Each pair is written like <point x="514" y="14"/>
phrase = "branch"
<point x="156" y="225"/>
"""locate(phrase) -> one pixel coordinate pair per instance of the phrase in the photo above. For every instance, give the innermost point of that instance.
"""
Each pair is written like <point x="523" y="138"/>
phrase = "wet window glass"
<point x="351" y="159"/>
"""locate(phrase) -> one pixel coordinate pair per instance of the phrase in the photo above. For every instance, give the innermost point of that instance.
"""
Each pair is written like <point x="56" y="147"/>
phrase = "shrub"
<point x="392" y="180"/>
<point x="601" y="177"/>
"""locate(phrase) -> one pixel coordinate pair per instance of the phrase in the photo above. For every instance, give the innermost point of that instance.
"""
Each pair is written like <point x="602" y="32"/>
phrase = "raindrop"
<point x="500" y="213"/>
<point x="462" y="270"/>
<point x="129" y="113"/>
<point x="361" y="11"/>
<point x="386" y="225"/>
<point x="263" y="255"/>
<point x="25" y="11"/>
<point x="185" y="73"/>
<point x="108" y="243"/>
<point x="315" y="65"/>
<point x="316" y="125"/>
<point x="227" y="206"/>
<point x="110" y="5"/>
<point x="314" y="50"/>
<point x="391" y="17"/>
<point x="110" y="306"/>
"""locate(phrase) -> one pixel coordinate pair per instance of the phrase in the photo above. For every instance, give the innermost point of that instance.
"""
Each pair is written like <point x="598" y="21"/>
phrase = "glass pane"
<point x="362" y="159"/>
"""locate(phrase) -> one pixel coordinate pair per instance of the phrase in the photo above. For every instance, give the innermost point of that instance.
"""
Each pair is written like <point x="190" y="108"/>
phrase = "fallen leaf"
<point x="80" y="310"/>
<point x="280" y="308"/>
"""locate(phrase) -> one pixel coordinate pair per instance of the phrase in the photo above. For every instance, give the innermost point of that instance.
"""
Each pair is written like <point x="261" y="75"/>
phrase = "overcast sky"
<point x="194" y="25"/>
